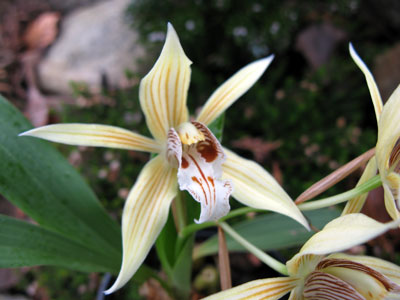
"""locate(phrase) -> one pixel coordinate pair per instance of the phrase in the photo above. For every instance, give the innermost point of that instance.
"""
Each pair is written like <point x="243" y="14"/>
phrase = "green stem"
<point x="264" y="257"/>
<point x="180" y="211"/>
<point x="371" y="184"/>
<point x="192" y="228"/>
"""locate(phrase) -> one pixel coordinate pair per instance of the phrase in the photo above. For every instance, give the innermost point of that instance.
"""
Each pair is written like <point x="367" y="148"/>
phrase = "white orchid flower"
<point x="190" y="157"/>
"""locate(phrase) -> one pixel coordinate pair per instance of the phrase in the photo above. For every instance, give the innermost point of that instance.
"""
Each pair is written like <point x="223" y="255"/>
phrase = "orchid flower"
<point x="386" y="158"/>
<point x="189" y="155"/>
<point x="314" y="276"/>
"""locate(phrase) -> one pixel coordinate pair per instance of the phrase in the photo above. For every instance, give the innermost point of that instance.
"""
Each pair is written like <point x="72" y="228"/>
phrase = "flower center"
<point x="198" y="157"/>
<point x="189" y="134"/>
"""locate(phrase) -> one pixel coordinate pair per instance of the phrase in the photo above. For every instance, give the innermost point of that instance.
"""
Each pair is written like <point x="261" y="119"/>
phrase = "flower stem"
<point x="179" y="212"/>
<point x="371" y="184"/>
<point x="264" y="257"/>
<point x="188" y="230"/>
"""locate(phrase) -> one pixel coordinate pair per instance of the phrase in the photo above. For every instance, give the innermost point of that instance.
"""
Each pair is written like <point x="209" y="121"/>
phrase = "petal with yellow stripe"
<point x="163" y="91"/>
<point x="94" y="135"/>
<point x="232" y="89"/>
<point x="356" y="204"/>
<point x="373" y="88"/>
<point x="256" y="188"/>
<point x="145" y="213"/>
<point x="268" y="289"/>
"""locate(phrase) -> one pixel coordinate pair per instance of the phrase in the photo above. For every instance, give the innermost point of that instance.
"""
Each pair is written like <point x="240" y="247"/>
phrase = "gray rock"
<point x="68" y="5"/>
<point x="94" y="42"/>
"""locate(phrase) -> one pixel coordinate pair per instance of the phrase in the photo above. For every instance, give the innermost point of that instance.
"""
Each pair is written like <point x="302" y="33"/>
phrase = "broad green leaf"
<point x="25" y="244"/>
<point x="182" y="270"/>
<point x="36" y="178"/>
<point x="165" y="245"/>
<point x="270" y="232"/>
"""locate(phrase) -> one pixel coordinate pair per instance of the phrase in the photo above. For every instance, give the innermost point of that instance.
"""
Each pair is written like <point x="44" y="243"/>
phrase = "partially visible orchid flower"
<point x="338" y="276"/>
<point x="189" y="156"/>
<point x="387" y="155"/>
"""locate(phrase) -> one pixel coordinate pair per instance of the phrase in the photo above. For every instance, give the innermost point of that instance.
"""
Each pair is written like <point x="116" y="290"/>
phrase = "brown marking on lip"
<point x="202" y="175"/>
<point x="211" y="180"/>
<point x="204" y="192"/>
<point x="208" y="151"/>
<point x="184" y="163"/>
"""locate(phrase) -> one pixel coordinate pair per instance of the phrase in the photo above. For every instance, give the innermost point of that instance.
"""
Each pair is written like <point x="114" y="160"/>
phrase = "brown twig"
<point x="333" y="178"/>
<point x="223" y="258"/>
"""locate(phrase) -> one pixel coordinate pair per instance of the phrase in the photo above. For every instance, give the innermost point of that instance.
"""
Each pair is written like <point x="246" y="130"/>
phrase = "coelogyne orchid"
<point x="315" y="276"/>
<point x="386" y="158"/>
<point x="189" y="155"/>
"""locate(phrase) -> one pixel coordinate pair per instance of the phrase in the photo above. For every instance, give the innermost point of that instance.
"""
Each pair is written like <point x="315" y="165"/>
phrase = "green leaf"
<point x="182" y="270"/>
<point x="270" y="232"/>
<point x="25" y="244"/>
<point x="38" y="179"/>
<point x="217" y="127"/>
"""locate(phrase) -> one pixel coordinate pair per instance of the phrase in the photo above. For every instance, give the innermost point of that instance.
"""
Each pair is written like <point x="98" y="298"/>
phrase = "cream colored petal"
<point x="163" y="91"/>
<point x="345" y="232"/>
<point x="296" y="294"/>
<point x="145" y="213"/>
<point x="94" y="135"/>
<point x="356" y="204"/>
<point x="390" y="203"/>
<point x="388" y="131"/>
<point x="268" y="289"/>
<point x="255" y="187"/>
<point x="320" y="285"/>
<point x="303" y="264"/>
<point x="388" y="269"/>
<point x="232" y="89"/>
<point x="373" y="88"/>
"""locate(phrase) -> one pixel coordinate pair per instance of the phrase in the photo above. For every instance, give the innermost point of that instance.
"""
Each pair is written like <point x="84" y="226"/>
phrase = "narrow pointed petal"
<point x="390" y="203"/>
<point x="145" y="213"/>
<point x="256" y="188"/>
<point x="163" y="92"/>
<point x="386" y="268"/>
<point x="345" y="232"/>
<point x="356" y="204"/>
<point x="325" y="286"/>
<point x="94" y="135"/>
<point x="388" y="133"/>
<point x="232" y="89"/>
<point x="373" y="88"/>
<point x="199" y="173"/>
<point x="268" y="289"/>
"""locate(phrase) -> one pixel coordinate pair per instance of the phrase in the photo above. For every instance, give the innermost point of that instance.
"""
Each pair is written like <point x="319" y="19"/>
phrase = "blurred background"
<point x="82" y="60"/>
